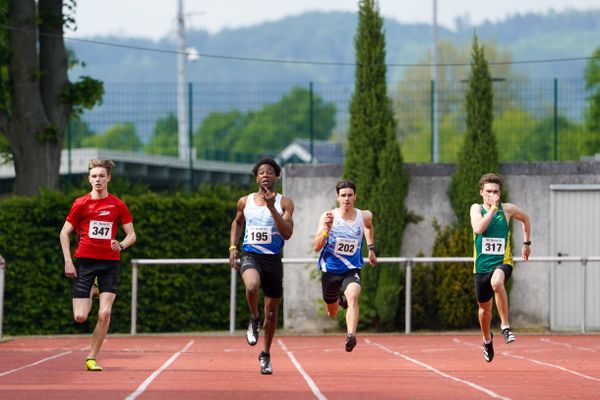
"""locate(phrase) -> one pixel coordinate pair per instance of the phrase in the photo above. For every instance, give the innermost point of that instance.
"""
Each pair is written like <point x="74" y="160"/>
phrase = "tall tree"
<point x="373" y="161"/>
<point x="477" y="156"/>
<point x="36" y="97"/>
<point x="479" y="153"/>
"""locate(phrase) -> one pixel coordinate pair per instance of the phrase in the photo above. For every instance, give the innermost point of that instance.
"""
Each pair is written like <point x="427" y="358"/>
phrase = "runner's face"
<point x="490" y="193"/>
<point x="346" y="198"/>
<point x="265" y="176"/>
<point x="99" y="178"/>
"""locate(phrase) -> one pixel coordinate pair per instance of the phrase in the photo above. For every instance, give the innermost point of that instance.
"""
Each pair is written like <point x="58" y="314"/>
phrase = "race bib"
<point x="494" y="246"/>
<point x="346" y="247"/>
<point x="100" y="230"/>
<point x="259" y="235"/>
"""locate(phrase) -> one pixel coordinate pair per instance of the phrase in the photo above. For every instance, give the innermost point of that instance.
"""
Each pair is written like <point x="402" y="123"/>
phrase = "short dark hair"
<point x="345" y="184"/>
<point x="268" y="161"/>
<point x="490" y="178"/>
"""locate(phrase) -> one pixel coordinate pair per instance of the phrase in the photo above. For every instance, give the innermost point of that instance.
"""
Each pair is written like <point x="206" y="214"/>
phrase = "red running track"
<point x="308" y="367"/>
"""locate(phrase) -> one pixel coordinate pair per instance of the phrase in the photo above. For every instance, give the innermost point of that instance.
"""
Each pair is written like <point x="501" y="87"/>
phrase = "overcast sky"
<point x="154" y="19"/>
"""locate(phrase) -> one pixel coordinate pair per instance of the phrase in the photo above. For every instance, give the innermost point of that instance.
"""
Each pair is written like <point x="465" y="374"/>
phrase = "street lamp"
<point x="183" y="54"/>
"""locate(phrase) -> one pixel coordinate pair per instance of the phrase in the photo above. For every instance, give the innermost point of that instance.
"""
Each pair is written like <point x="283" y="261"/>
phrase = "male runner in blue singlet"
<point x="267" y="217"/>
<point x="340" y="236"/>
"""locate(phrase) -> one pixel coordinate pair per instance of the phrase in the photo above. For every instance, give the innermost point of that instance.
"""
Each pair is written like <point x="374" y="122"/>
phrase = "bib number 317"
<point x="494" y="246"/>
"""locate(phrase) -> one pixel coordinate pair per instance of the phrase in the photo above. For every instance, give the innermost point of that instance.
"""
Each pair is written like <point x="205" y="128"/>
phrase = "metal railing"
<point x="408" y="261"/>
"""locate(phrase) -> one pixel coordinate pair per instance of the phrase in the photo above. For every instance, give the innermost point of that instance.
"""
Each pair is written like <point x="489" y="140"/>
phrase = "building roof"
<point x="325" y="152"/>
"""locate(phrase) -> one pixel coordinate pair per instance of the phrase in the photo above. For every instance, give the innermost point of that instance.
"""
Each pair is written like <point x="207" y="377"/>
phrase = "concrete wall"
<point x="312" y="187"/>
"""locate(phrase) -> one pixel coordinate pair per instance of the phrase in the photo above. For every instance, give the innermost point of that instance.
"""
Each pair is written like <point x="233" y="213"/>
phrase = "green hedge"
<point x="171" y="298"/>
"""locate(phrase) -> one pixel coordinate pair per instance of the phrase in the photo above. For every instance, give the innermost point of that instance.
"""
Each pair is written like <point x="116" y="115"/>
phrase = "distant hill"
<point x="329" y="37"/>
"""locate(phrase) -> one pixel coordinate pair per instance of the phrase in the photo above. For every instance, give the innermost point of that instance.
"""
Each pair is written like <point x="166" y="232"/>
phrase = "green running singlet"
<point x="492" y="248"/>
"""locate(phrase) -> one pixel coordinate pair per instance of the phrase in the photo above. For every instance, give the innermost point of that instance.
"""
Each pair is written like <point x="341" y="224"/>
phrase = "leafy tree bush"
<point x="264" y="131"/>
<point x="592" y="117"/>
<point x="165" y="137"/>
<point x="121" y="136"/>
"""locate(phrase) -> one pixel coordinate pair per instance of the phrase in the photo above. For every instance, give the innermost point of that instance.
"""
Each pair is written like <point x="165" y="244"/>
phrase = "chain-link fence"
<point x="309" y="122"/>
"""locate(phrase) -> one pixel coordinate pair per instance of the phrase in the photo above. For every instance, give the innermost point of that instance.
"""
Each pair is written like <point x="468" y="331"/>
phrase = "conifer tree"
<point x="478" y="155"/>
<point x="373" y="161"/>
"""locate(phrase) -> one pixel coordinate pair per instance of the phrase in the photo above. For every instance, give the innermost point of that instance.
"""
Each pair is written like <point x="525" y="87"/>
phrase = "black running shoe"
<point x="509" y="337"/>
<point x="265" y="363"/>
<point x="252" y="332"/>
<point x="488" y="350"/>
<point x="350" y="342"/>
<point x="342" y="301"/>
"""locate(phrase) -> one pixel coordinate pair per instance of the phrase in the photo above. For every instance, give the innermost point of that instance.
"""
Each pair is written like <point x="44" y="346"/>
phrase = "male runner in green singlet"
<point x="492" y="256"/>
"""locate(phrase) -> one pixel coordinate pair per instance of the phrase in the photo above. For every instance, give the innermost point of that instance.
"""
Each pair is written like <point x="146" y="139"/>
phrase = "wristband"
<point x="527" y="243"/>
<point x="371" y="247"/>
<point x="121" y="246"/>
<point x="325" y="233"/>
<point x="232" y="247"/>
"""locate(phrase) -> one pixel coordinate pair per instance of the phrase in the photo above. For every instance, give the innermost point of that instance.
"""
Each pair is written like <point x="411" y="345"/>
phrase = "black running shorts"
<point x="269" y="268"/>
<point x="483" y="283"/>
<point x="333" y="284"/>
<point x="88" y="269"/>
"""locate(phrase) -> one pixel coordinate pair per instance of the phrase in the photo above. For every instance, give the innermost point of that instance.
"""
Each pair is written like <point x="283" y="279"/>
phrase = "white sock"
<point x="503" y="327"/>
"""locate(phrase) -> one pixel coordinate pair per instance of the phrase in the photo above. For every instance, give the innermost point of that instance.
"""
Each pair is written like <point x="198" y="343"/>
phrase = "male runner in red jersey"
<point x="95" y="218"/>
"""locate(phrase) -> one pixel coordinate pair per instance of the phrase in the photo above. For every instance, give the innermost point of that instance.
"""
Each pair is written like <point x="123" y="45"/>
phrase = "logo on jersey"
<point x="103" y="213"/>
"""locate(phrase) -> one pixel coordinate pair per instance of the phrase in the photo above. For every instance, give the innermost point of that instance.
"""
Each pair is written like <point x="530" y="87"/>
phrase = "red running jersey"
<point x="96" y="223"/>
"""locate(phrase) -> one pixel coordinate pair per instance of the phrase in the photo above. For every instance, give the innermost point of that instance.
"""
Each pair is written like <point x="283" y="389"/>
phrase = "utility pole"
<point x="435" y="126"/>
<point x="182" y="103"/>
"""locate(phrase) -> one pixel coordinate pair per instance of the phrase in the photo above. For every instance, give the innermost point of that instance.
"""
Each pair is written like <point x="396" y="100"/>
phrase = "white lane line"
<point x="155" y="374"/>
<point x="311" y="384"/>
<point x="437" y="371"/>
<point x="35" y="363"/>
<point x="570" y="371"/>
<point x="567" y="345"/>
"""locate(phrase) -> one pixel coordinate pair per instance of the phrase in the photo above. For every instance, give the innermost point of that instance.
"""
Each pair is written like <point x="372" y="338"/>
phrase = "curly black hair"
<point x="269" y="161"/>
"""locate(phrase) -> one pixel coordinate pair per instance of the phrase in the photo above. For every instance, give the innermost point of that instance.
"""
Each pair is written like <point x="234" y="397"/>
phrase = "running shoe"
<point x="350" y="342"/>
<point x="265" y="363"/>
<point x="509" y="337"/>
<point x="252" y="332"/>
<point x="342" y="301"/>
<point x="92" y="365"/>
<point x="488" y="349"/>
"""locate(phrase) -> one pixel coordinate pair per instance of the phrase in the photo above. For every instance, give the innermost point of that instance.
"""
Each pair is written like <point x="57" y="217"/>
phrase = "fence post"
<point x="190" y="129"/>
<point x="555" y="119"/>
<point x="134" y="294"/>
<point x="583" y="294"/>
<point x="232" y="301"/>
<point x="408" y="298"/>
<point x="2" y="265"/>
<point x="311" y="122"/>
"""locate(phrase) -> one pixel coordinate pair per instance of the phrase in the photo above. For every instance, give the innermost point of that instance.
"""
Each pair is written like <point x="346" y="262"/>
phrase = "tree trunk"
<point x="38" y="114"/>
